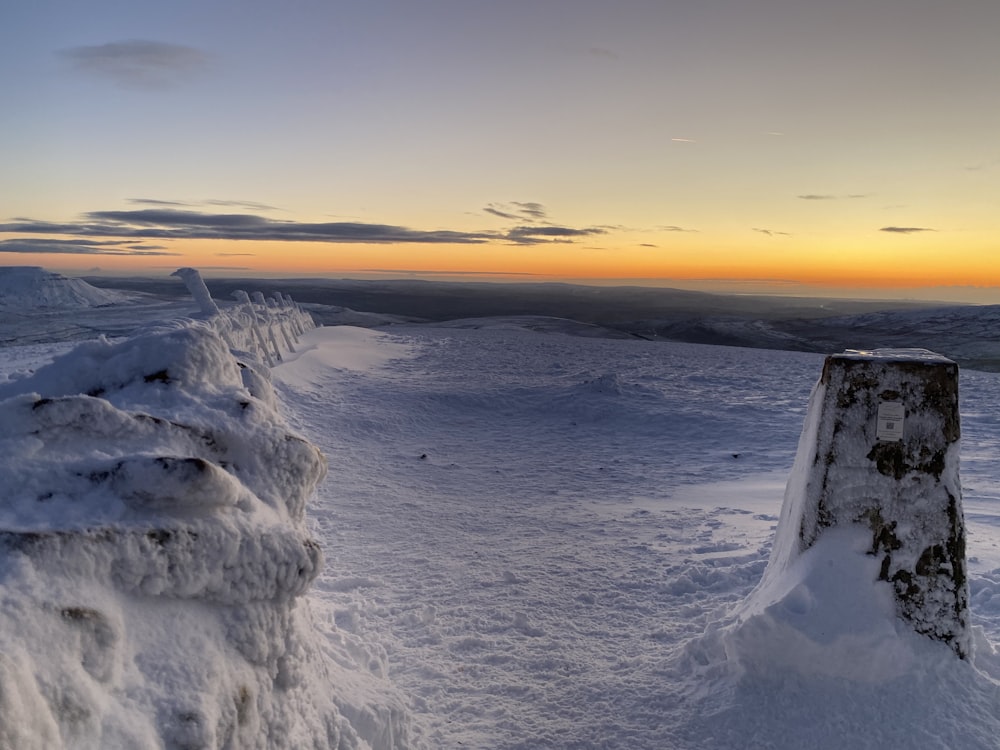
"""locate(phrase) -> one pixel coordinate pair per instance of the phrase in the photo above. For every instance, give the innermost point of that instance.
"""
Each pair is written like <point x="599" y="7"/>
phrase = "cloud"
<point x="673" y="228"/>
<point x="138" y="63"/>
<point x="984" y="166"/>
<point x="518" y="211"/>
<point x="906" y="230"/>
<point x="822" y="197"/>
<point x="165" y="222"/>
<point x="250" y="205"/>
<point x="647" y="244"/>
<point x="173" y="224"/>
<point x="539" y="230"/>
<point x="607" y="54"/>
<point x="411" y="272"/>
<point x="772" y="232"/>
<point x="157" y="202"/>
<point x="538" y="235"/>
<point x="77" y="247"/>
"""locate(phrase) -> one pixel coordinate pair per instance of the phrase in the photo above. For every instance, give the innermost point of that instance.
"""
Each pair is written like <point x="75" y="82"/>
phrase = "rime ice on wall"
<point x="879" y="450"/>
<point x="153" y="554"/>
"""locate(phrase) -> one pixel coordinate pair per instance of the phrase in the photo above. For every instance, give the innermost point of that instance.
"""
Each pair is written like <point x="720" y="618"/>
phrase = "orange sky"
<point x="763" y="142"/>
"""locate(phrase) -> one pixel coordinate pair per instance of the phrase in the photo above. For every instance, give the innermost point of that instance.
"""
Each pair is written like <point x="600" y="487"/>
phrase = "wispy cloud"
<point x="674" y="228"/>
<point x="828" y="197"/>
<point x="906" y="230"/>
<point x="539" y="228"/>
<point x="518" y="211"/>
<point x="607" y="54"/>
<point x="772" y="232"/>
<point x="158" y="202"/>
<point x="138" y="63"/>
<point x="539" y="235"/>
<point x="981" y="167"/>
<point x="413" y="272"/>
<point x="78" y="247"/>
<point x="249" y="205"/>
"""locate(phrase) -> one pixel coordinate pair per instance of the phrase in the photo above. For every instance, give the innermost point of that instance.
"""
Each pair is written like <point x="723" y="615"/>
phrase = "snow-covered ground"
<point x="535" y="540"/>
<point x="550" y="537"/>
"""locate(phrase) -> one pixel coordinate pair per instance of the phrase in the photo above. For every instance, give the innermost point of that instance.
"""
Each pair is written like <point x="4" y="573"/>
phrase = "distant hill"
<point x="31" y="287"/>
<point x="966" y="333"/>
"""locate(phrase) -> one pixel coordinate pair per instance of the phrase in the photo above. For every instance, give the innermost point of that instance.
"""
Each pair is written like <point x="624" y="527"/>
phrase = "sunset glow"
<point x="822" y="145"/>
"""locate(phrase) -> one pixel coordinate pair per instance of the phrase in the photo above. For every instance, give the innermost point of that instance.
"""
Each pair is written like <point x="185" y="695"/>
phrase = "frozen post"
<point x="196" y="286"/>
<point x="880" y="449"/>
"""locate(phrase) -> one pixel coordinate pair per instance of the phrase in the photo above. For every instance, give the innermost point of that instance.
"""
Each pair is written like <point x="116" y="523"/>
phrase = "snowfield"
<point x="555" y="539"/>
<point x="528" y="540"/>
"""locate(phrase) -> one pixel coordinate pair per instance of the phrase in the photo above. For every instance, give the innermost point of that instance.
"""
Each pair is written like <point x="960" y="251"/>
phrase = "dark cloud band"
<point x="165" y="222"/>
<point x="78" y="247"/>
<point x="905" y="230"/>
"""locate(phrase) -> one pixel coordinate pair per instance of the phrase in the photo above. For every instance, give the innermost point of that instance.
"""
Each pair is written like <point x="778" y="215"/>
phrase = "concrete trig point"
<point x="880" y="449"/>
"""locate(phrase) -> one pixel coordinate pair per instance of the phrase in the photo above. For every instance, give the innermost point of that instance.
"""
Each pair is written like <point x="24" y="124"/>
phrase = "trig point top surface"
<point x="893" y="355"/>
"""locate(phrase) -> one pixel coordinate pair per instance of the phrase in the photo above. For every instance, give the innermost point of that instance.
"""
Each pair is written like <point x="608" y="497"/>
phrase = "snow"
<point x="561" y="551"/>
<point x="154" y="556"/>
<point x="30" y="287"/>
<point x="529" y="540"/>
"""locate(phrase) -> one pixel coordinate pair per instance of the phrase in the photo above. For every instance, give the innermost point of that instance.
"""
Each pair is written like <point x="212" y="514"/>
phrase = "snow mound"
<point x="154" y="554"/>
<point x="820" y="654"/>
<point x="30" y="287"/>
<point x="818" y="658"/>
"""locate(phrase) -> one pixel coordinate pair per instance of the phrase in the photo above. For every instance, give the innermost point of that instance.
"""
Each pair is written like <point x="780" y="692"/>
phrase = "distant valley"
<point x="966" y="333"/>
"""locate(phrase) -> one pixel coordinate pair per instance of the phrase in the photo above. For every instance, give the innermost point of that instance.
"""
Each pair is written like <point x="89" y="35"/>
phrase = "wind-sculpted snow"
<point x="153" y="553"/>
<point x="31" y="288"/>
<point x="556" y="540"/>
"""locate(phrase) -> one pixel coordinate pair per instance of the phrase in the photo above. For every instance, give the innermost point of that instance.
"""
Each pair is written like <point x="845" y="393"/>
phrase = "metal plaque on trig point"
<point x="889" y="427"/>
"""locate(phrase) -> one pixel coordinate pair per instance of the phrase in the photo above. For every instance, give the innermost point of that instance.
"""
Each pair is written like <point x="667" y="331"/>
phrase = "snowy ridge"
<point x="154" y="553"/>
<point x="31" y="287"/>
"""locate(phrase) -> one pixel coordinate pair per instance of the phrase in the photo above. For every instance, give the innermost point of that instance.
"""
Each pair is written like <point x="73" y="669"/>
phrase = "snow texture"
<point x="25" y="288"/>
<point x="556" y="541"/>
<point x="154" y="553"/>
<point x="531" y="540"/>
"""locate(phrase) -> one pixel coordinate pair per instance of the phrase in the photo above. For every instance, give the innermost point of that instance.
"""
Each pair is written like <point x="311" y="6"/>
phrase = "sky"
<point x="722" y="144"/>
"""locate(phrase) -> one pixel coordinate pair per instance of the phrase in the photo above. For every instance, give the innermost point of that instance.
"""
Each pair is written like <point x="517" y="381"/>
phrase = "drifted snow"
<point x="31" y="287"/>
<point x="538" y="541"/>
<point x="556" y="542"/>
<point x="153" y="558"/>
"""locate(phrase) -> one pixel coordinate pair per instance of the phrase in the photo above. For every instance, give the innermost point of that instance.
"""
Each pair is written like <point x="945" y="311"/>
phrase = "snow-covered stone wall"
<point x="880" y="451"/>
<point x="153" y="548"/>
